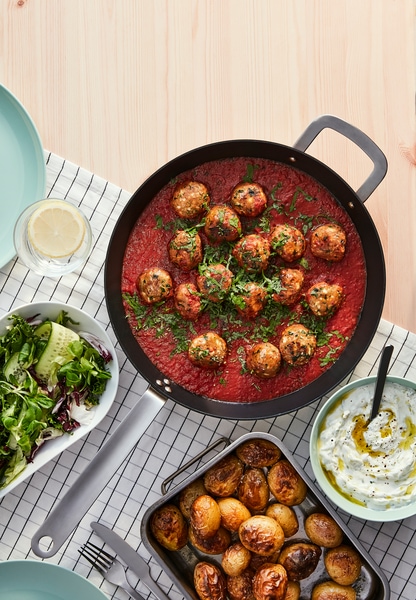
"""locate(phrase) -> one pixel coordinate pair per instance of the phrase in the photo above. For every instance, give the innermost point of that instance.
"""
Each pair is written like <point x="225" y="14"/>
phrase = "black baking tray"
<point x="179" y="565"/>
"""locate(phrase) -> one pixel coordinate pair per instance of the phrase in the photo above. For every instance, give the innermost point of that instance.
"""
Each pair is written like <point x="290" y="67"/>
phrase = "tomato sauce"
<point x="293" y="197"/>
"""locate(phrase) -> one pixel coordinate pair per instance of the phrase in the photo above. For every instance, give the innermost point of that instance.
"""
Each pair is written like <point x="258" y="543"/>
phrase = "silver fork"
<point x="109" y="567"/>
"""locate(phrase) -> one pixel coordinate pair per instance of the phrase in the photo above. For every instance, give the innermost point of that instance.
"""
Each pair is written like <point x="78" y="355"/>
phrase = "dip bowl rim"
<point x="341" y="501"/>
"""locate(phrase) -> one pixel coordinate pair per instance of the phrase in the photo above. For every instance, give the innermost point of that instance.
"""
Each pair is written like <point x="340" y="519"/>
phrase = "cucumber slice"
<point x="14" y="367"/>
<point x="59" y="337"/>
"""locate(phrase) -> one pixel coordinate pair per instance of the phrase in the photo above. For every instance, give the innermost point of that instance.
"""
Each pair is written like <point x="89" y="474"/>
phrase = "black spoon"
<point x="381" y="379"/>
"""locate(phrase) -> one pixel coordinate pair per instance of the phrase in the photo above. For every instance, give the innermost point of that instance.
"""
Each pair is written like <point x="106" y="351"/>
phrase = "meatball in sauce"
<point x="328" y="242"/>
<point x="190" y="200"/>
<point x="291" y="282"/>
<point x="222" y="224"/>
<point x="248" y="199"/>
<point x="187" y="301"/>
<point x="252" y="253"/>
<point x="185" y="250"/>
<point x="324" y="298"/>
<point x="251" y="300"/>
<point x="208" y="350"/>
<point x="288" y="242"/>
<point x="297" y="344"/>
<point x="263" y="360"/>
<point x="214" y="282"/>
<point x="154" y="285"/>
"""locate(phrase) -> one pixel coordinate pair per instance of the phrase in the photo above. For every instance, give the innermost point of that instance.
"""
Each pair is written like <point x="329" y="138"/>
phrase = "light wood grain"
<point x="121" y="86"/>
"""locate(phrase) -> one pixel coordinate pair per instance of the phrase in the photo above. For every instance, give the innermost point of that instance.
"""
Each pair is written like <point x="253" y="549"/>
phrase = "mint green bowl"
<point x="337" y="498"/>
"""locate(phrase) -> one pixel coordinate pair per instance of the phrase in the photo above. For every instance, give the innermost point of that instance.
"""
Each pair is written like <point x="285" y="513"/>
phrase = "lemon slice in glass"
<point x="56" y="229"/>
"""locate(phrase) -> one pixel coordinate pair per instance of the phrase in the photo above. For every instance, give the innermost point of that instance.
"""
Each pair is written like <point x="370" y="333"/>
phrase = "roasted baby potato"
<point x="329" y="590"/>
<point x="169" y="527"/>
<point x="189" y="494"/>
<point x="223" y="478"/>
<point x="240" y="587"/>
<point x="323" y="530"/>
<point x="262" y="535"/>
<point x="285" y="483"/>
<point x="209" y="581"/>
<point x="217" y="544"/>
<point x="300" y="559"/>
<point x="235" y="559"/>
<point x="258" y="453"/>
<point x="270" y="582"/>
<point x="233" y="513"/>
<point x="293" y="590"/>
<point x="343" y="564"/>
<point x="205" y="516"/>
<point x="285" y="516"/>
<point x="253" y="490"/>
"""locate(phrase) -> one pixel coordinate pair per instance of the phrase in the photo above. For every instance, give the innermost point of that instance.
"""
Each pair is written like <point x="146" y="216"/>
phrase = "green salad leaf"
<point x="45" y="370"/>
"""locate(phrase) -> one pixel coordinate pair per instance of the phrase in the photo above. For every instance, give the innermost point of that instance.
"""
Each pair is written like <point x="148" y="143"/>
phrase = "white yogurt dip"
<point x="372" y="463"/>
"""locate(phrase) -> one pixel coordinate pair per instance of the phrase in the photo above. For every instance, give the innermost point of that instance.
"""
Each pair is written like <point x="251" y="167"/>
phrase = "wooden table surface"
<point x="119" y="87"/>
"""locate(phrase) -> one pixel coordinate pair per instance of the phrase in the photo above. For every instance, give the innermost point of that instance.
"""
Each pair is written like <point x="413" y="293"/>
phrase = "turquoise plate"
<point x="36" y="580"/>
<point x="22" y="168"/>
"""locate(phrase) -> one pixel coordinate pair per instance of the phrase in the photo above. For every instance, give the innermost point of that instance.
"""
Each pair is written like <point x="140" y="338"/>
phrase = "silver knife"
<point x="133" y="560"/>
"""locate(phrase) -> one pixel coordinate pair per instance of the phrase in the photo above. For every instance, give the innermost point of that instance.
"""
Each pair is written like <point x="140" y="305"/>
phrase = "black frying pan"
<point x="65" y="517"/>
<point x="351" y="201"/>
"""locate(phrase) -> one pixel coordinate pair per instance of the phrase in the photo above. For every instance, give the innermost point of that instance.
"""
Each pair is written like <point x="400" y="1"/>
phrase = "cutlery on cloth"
<point x="381" y="379"/>
<point x="129" y="556"/>
<point x="109" y="567"/>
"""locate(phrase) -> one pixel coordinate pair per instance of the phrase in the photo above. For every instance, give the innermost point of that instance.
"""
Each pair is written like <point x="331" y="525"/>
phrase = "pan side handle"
<point x="359" y="138"/>
<point x="69" y="511"/>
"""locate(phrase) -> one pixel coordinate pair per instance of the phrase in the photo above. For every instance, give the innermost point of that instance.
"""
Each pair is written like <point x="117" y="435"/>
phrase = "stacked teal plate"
<point x="22" y="168"/>
<point x="36" y="580"/>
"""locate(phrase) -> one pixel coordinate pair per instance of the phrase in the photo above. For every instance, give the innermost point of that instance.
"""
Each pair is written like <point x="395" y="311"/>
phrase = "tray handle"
<point x="170" y="478"/>
<point x="359" y="138"/>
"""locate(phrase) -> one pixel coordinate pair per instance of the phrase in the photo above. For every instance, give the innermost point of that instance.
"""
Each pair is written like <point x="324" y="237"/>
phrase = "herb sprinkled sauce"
<point x="262" y="284"/>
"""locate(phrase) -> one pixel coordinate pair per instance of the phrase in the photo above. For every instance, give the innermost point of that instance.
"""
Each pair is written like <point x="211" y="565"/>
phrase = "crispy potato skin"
<point x="262" y="535"/>
<point x="293" y="590"/>
<point x="259" y="453"/>
<point x="285" y="516"/>
<point x="189" y="494"/>
<point x="253" y="490"/>
<point x="323" y="530"/>
<point x="286" y="484"/>
<point x="343" y="564"/>
<point x="233" y="513"/>
<point x="209" y="581"/>
<point x="300" y="559"/>
<point x="205" y="516"/>
<point x="169" y="527"/>
<point x="216" y="544"/>
<point x="270" y="582"/>
<point x="223" y="478"/>
<point x="240" y="587"/>
<point x="329" y="590"/>
<point x="235" y="559"/>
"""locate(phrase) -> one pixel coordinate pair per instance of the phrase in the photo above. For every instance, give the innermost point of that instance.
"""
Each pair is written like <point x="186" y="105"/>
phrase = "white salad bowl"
<point x="345" y="499"/>
<point x="83" y="323"/>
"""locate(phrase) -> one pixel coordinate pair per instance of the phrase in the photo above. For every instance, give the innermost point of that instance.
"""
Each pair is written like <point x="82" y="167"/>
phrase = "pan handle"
<point x="195" y="459"/>
<point x="359" y="138"/>
<point x="69" y="511"/>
